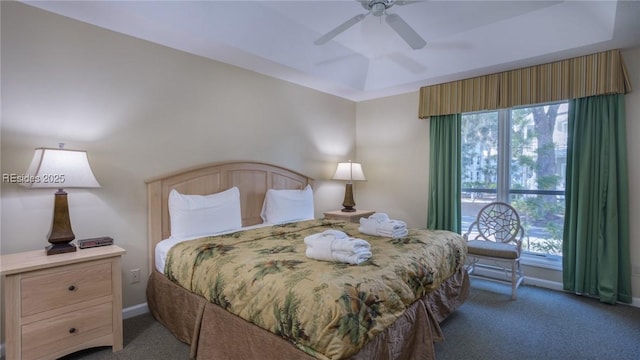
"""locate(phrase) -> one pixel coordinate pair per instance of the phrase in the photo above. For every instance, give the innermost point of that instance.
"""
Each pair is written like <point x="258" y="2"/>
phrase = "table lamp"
<point x="350" y="172"/>
<point x="60" y="168"/>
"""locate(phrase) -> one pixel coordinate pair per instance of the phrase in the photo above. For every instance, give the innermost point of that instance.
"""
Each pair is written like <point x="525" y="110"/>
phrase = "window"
<point x="518" y="156"/>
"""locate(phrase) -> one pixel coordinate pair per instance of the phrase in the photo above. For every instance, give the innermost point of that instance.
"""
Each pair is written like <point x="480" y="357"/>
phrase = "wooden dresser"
<point x="59" y="304"/>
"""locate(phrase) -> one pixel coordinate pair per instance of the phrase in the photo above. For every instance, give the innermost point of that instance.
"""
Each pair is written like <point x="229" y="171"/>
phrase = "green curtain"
<point x="444" y="173"/>
<point x="596" y="258"/>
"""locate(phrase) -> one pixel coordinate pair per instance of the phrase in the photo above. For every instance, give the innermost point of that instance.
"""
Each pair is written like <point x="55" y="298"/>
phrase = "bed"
<point x="215" y="329"/>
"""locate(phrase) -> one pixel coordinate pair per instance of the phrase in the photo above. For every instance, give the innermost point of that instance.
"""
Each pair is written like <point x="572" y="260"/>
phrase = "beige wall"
<point x="392" y="145"/>
<point x="141" y="110"/>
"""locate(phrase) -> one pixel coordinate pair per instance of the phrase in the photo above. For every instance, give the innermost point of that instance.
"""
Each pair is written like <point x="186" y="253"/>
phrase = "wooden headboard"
<point x="253" y="179"/>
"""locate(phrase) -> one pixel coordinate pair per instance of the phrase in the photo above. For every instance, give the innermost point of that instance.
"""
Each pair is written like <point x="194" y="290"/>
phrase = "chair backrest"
<point x="498" y="222"/>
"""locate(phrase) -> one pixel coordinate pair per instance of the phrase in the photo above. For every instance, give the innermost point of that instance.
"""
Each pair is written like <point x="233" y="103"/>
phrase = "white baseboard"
<point x="135" y="310"/>
<point x="547" y="284"/>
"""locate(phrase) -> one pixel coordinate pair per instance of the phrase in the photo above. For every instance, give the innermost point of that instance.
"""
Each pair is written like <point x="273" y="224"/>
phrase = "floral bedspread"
<point x="329" y="310"/>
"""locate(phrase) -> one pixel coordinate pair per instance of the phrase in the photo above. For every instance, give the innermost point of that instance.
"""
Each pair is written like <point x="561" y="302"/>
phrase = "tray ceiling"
<point x="369" y="60"/>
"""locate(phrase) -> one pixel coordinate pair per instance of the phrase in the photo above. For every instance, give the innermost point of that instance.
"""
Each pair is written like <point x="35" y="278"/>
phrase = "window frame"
<point x="503" y="189"/>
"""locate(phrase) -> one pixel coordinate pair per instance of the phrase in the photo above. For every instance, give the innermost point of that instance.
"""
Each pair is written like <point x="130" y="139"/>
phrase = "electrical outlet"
<point x="134" y="276"/>
<point x="636" y="270"/>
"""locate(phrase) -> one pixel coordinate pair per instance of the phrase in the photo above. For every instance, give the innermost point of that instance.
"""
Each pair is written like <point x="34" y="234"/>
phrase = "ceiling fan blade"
<point x="340" y="28"/>
<point x="405" y="31"/>
<point x="401" y="3"/>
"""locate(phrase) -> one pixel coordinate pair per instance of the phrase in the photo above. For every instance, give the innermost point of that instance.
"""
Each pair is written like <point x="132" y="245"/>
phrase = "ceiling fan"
<point x="379" y="8"/>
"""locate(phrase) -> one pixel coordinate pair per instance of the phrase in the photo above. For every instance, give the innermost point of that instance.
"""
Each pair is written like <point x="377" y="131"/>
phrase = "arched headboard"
<point x="253" y="179"/>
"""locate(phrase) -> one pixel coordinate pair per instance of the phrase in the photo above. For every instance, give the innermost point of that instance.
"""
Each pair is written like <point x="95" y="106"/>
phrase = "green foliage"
<point x="405" y="241"/>
<point x="480" y="137"/>
<point x="549" y="182"/>
<point x="546" y="214"/>
<point x="547" y="246"/>
<point x="210" y="250"/>
<point x="361" y="309"/>
<point x="479" y="185"/>
<point x="217" y="293"/>
<point x="273" y="267"/>
<point x="277" y="250"/>
<point x="422" y="277"/>
<point x="287" y="323"/>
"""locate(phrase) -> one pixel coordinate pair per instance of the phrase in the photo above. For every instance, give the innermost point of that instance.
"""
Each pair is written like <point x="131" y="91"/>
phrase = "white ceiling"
<point x="369" y="60"/>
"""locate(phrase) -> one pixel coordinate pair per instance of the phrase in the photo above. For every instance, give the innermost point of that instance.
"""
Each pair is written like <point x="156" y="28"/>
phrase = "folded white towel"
<point x="350" y="245"/>
<point x="384" y="225"/>
<point x="319" y="253"/>
<point x="335" y="245"/>
<point x="336" y="240"/>
<point x="374" y="228"/>
<point x="335" y="233"/>
<point x="394" y="234"/>
<point x="352" y="258"/>
<point x="377" y="226"/>
<point x="327" y="235"/>
<point x="379" y="217"/>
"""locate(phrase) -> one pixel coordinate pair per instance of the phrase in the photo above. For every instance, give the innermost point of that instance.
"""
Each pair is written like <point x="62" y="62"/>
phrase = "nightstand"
<point x="353" y="216"/>
<point x="59" y="304"/>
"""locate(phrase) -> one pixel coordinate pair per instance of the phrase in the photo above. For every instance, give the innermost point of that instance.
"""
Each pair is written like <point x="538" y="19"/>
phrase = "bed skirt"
<point x="214" y="333"/>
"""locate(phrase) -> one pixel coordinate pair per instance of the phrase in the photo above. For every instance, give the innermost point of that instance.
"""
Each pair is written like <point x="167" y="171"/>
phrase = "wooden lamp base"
<point x="60" y="249"/>
<point x="348" y="202"/>
<point x="61" y="234"/>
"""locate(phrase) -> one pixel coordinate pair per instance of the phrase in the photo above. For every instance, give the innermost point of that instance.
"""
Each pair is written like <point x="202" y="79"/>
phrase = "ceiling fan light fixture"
<point x="378" y="9"/>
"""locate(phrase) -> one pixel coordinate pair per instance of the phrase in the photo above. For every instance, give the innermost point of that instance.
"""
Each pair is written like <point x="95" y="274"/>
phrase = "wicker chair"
<point x="497" y="226"/>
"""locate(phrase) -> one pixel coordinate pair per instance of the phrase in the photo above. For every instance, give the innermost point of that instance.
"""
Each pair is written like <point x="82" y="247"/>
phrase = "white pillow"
<point x="282" y="206"/>
<point x="201" y="215"/>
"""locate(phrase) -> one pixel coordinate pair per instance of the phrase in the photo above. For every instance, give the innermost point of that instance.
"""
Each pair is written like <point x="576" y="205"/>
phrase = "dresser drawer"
<point x="66" y="331"/>
<point x="67" y="285"/>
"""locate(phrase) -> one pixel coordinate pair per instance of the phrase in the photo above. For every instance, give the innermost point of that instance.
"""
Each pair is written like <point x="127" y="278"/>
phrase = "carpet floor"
<point x="541" y="324"/>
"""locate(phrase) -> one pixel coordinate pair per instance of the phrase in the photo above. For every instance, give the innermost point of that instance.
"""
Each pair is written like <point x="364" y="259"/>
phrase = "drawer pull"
<point x="72" y="330"/>
<point x="72" y="288"/>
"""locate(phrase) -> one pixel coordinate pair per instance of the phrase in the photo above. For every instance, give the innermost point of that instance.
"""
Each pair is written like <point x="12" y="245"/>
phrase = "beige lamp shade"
<point x="349" y="171"/>
<point x="60" y="168"/>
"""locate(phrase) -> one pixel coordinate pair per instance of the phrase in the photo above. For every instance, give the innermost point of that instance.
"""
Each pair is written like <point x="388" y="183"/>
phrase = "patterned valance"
<point x="595" y="74"/>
